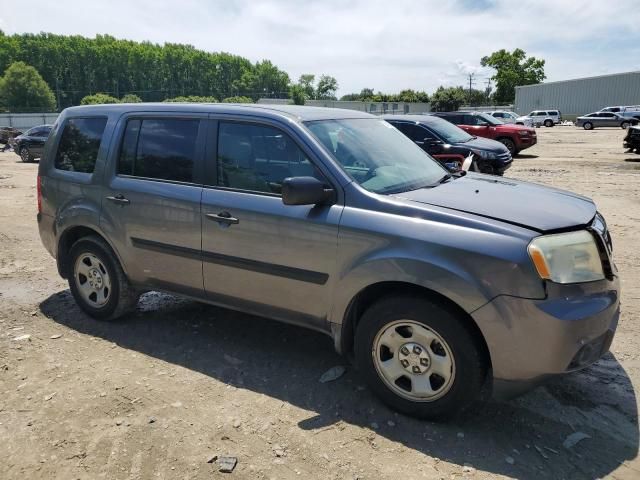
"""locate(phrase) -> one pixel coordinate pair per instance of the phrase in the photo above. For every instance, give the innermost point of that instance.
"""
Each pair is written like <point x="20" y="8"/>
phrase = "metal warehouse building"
<point x="580" y="96"/>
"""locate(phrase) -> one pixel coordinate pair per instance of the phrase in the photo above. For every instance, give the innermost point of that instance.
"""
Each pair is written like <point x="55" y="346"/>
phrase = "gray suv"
<point x="436" y="284"/>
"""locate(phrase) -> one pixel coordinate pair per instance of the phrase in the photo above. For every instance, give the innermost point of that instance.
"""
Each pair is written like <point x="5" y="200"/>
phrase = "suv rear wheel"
<point x="548" y="123"/>
<point x="419" y="357"/>
<point x="97" y="282"/>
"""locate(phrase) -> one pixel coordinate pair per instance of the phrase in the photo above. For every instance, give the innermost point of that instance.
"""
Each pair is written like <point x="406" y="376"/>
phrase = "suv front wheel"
<point x="97" y="282"/>
<point x="419" y="357"/>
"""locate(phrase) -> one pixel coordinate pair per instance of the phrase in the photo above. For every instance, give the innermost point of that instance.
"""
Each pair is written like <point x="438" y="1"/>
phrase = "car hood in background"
<point x="520" y="203"/>
<point x="481" y="143"/>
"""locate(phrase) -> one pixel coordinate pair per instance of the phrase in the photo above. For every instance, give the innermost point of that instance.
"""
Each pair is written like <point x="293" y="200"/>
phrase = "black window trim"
<point x="198" y="176"/>
<point x="60" y="128"/>
<point x="212" y="146"/>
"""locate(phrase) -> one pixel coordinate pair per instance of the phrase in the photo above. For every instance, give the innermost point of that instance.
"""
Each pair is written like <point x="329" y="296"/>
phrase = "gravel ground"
<point x="176" y="383"/>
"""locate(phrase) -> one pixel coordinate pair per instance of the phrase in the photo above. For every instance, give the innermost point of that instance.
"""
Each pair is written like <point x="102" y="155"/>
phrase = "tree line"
<point x="49" y="71"/>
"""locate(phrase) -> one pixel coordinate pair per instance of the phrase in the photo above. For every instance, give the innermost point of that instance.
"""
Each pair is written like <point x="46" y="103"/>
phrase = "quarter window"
<point x="159" y="148"/>
<point x="258" y="158"/>
<point x="79" y="144"/>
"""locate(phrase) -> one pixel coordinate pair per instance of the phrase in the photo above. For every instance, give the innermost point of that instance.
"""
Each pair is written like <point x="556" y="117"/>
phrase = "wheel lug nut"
<point x="424" y="362"/>
<point x="416" y="369"/>
<point x="417" y="350"/>
<point x="404" y="350"/>
<point x="404" y="363"/>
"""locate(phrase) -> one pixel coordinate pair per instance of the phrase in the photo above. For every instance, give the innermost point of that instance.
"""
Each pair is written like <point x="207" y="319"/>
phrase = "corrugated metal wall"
<point x="580" y="96"/>
<point x="376" y="108"/>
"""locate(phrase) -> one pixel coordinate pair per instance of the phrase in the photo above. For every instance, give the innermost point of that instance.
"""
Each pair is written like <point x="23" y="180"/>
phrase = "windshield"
<point x="448" y="131"/>
<point x="491" y="120"/>
<point x="377" y="155"/>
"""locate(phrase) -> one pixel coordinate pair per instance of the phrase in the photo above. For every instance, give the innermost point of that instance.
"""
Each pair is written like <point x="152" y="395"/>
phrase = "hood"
<point x="520" y="203"/>
<point x="486" y="144"/>
<point x="512" y="127"/>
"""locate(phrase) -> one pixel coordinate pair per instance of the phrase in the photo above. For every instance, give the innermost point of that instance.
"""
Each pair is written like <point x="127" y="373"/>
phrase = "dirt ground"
<point x="159" y="394"/>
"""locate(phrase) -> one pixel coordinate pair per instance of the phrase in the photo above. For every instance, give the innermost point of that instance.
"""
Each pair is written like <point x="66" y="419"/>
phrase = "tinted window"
<point x="259" y="158"/>
<point x="162" y="148"/>
<point x="79" y="144"/>
<point x="413" y="131"/>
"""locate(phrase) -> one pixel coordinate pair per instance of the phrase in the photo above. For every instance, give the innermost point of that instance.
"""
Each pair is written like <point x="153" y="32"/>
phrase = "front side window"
<point x="376" y="155"/>
<point x="79" y="144"/>
<point x="159" y="148"/>
<point x="258" y="158"/>
<point x="413" y="131"/>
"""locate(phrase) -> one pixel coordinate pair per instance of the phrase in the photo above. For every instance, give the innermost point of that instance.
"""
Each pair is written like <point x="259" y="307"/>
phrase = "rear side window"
<point x="413" y="131"/>
<point x="79" y="144"/>
<point x="160" y="148"/>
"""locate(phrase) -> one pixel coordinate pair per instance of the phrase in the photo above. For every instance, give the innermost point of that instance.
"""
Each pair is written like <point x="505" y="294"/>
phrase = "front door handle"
<point x="223" y="217"/>
<point x="119" y="198"/>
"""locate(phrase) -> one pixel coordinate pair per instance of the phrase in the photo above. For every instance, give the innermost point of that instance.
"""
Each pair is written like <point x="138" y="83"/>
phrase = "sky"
<point x="387" y="45"/>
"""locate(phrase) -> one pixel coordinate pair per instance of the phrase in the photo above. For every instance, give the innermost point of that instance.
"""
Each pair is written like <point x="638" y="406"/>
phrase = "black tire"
<point x="548" y="123"/>
<point x="470" y="364"/>
<point x="588" y="126"/>
<point x="122" y="296"/>
<point x="624" y="125"/>
<point x="510" y="144"/>
<point x="25" y="155"/>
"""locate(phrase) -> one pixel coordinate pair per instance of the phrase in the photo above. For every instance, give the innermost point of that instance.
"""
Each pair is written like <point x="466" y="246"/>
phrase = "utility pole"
<point x="471" y="82"/>
<point x="58" y="92"/>
<point x="488" y="89"/>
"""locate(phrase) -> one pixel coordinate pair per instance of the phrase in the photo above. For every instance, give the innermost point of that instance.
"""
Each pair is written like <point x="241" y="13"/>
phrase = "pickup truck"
<point x="632" y="111"/>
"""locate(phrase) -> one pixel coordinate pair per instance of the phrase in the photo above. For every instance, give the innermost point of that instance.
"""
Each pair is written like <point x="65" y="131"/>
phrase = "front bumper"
<point x="530" y="340"/>
<point x="526" y="142"/>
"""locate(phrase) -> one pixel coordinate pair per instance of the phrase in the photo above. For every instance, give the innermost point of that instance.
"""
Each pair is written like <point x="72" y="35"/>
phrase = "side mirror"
<point x="305" y="191"/>
<point x="433" y="142"/>
<point x="483" y="124"/>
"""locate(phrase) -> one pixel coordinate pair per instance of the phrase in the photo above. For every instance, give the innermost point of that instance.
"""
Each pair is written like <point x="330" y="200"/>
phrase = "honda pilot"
<point x="436" y="284"/>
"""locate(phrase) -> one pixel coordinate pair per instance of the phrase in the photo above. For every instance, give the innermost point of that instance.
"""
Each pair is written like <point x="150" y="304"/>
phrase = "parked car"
<point x="548" y="118"/>
<point x="8" y="133"/>
<point x="631" y="111"/>
<point x="511" y="117"/>
<point x="515" y="137"/>
<point x="632" y="140"/>
<point x="604" y="119"/>
<point x="334" y="220"/>
<point x="30" y="144"/>
<point x="450" y="144"/>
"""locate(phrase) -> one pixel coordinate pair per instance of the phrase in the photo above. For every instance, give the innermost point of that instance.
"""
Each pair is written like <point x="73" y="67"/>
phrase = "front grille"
<point x="605" y="244"/>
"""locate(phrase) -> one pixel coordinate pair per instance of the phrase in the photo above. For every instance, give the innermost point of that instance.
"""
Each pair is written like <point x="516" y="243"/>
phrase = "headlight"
<point x="484" y="154"/>
<point x="523" y="133"/>
<point x="567" y="257"/>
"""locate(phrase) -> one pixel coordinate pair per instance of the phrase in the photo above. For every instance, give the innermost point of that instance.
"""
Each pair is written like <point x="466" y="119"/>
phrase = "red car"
<point x="515" y="137"/>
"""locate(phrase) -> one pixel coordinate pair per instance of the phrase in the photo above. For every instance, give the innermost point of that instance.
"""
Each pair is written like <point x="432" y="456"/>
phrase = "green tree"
<point x="306" y="81"/>
<point x="327" y="88"/>
<point x="23" y="89"/>
<point x="130" y="98"/>
<point x="298" y="94"/>
<point x="448" y="99"/>
<point x="237" y="99"/>
<point x="513" y="69"/>
<point x="98" y="99"/>
<point x="265" y="80"/>
<point x="191" y="99"/>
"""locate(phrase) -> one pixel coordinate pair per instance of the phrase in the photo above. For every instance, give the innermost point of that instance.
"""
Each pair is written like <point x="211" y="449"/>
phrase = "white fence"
<point x="24" y="121"/>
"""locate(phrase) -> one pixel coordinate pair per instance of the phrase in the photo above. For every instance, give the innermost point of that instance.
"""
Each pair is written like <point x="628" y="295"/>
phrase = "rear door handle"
<point x="223" y="217"/>
<point x="118" y="199"/>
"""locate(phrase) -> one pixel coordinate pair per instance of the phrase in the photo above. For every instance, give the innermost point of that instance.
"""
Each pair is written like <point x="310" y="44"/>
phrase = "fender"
<point x="84" y="214"/>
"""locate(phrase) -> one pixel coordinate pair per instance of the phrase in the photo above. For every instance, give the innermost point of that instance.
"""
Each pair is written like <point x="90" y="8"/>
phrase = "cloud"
<point x="383" y="45"/>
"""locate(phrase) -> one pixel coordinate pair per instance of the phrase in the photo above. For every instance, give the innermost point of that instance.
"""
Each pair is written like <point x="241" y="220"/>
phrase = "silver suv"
<point x="333" y="220"/>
